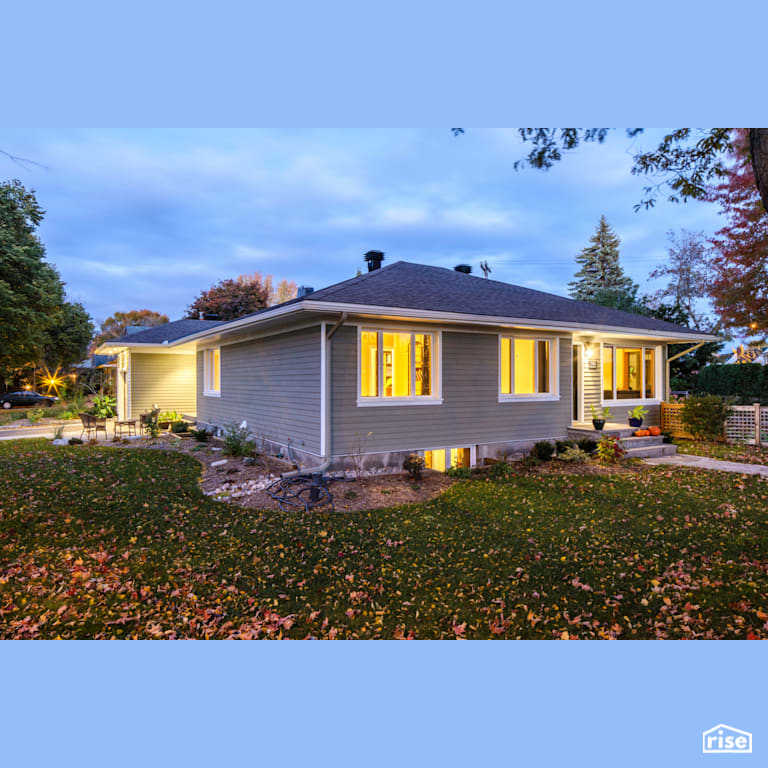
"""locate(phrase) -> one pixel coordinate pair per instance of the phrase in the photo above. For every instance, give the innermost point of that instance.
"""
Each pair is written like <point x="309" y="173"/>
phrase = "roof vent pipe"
<point x="374" y="259"/>
<point x="304" y="290"/>
<point x="463" y="268"/>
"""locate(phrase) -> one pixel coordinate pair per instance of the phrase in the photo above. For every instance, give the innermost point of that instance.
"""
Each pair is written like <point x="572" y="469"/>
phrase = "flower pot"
<point x="635" y="422"/>
<point x="598" y="424"/>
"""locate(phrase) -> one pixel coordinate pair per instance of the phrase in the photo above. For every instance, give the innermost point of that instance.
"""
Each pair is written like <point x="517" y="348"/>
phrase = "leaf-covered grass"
<point x="748" y="454"/>
<point x="109" y="542"/>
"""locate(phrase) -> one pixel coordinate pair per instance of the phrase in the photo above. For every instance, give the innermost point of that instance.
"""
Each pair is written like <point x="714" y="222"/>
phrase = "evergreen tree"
<point x="600" y="273"/>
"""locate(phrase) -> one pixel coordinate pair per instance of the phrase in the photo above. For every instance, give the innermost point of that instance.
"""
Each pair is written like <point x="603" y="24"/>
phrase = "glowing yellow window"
<point x="460" y="457"/>
<point x="650" y="373"/>
<point x="607" y="373"/>
<point x="525" y="367"/>
<point x="212" y="372"/>
<point x="397" y="364"/>
<point x="506" y="367"/>
<point x="369" y="364"/>
<point x="435" y="460"/>
<point x="628" y="373"/>
<point x="423" y="362"/>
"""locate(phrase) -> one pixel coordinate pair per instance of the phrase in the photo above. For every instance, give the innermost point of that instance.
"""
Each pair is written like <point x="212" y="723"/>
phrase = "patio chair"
<point x="92" y="426"/>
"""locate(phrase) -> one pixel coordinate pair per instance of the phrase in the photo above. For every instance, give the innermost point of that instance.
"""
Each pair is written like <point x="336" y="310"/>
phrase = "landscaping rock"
<point x="61" y="441"/>
<point x="218" y="463"/>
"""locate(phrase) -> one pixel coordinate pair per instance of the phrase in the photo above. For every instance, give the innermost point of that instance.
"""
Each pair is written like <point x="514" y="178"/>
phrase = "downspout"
<point x="325" y="399"/>
<point x="674" y="357"/>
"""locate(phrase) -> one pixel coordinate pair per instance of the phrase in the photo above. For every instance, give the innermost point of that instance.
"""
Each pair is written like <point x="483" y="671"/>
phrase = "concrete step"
<point x="637" y="442"/>
<point x="577" y="433"/>
<point x="651" y="451"/>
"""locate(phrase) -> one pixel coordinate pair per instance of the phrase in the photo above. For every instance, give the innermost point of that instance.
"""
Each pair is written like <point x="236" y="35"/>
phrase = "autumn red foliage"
<point x="230" y="299"/>
<point x="739" y="286"/>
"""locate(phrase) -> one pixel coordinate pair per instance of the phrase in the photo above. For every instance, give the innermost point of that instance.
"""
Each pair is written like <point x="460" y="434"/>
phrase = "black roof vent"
<point x="210" y="316"/>
<point x="304" y="290"/>
<point x="374" y="259"/>
<point x="463" y="268"/>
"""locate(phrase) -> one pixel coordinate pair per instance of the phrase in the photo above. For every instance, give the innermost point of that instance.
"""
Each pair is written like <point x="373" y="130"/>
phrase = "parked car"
<point x="27" y="398"/>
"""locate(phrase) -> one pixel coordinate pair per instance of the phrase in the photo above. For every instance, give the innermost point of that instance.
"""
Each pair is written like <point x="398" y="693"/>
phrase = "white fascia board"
<point x="440" y="317"/>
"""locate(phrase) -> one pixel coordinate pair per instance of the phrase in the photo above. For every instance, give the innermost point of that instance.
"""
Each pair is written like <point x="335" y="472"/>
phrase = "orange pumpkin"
<point x="642" y="433"/>
<point x="655" y="431"/>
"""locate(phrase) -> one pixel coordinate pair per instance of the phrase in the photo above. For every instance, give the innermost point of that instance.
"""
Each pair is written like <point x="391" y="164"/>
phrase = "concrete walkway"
<point x="702" y="462"/>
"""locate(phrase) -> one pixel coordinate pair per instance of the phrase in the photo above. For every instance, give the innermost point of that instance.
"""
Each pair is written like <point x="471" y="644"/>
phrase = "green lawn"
<point x="107" y="542"/>
<point x="749" y="454"/>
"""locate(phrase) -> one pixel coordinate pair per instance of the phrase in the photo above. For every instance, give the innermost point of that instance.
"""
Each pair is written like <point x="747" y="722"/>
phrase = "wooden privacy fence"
<point x="745" y="423"/>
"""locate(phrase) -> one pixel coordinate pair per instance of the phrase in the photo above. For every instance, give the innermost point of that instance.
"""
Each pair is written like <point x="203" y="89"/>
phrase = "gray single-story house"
<point x="404" y="358"/>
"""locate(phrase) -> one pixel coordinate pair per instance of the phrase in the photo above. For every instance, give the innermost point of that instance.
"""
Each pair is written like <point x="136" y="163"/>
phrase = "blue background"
<point x="394" y="63"/>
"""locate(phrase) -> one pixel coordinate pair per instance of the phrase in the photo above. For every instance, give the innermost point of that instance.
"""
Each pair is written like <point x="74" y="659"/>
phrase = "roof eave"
<point x="435" y="316"/>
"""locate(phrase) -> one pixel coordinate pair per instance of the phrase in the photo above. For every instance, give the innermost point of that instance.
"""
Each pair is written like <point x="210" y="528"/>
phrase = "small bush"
<point x="35" y="415"/>
<point x="179" y="427"/>
<point x="152" y="424"/>
<point x="104" y="406"/>
<point x="500" y="470"/>
<point x="574" y="455"/>
<point x="588" y="445"/>
<point x="200" y="435"/>
<point x="561" y="446"/>
<point x="414" y="465"/>
<point x="543" y="450"/>
<point x="237" y="441"/>
<point x="459" y="473"/>
<point x="609" y="449"/>
<point x="704" y="416"/>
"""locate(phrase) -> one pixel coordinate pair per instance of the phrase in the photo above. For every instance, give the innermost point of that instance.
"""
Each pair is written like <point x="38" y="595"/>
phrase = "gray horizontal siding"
<point x="273" y="384"/>
<point x="165" y="380"/>
<point x="470" y="412"/>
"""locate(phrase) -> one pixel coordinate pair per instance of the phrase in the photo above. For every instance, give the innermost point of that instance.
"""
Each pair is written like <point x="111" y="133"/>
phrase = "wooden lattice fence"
<point x="745" y="423"/>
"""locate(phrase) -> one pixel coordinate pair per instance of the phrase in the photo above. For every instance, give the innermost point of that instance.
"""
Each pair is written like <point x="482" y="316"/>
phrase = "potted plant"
<point x="599" y="418"/>
<point x="636" y="416"/>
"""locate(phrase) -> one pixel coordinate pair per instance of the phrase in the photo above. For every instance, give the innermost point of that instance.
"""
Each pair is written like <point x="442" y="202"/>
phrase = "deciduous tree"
<point x="739" y="286"/>
<point x="115" y="325"/>
<point x="230" y="299"/>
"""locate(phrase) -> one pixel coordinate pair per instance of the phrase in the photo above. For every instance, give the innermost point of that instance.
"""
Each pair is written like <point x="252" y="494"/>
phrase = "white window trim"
<point x="657" y="374"/>
<point x="554" y="370"/>
<point x="437" y="368"/>
<point x="207" y="354"/>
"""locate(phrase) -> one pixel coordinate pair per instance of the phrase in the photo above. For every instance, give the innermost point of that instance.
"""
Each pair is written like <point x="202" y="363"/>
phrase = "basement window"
<point x="212" y="372"/>
<point x="397" y="367"/>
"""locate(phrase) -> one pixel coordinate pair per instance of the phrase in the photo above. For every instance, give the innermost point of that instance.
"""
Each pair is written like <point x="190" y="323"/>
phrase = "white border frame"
<point x="657" y="374"/>
<point x="554" y="369"/>
<point x="206" y="366"/>
<point x="437" y="367"/>
<point x="579" y="348"/>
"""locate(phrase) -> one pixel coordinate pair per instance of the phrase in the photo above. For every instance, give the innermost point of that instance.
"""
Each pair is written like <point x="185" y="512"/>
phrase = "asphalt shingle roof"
<point x="418" y="286"/>
<point x="169" y="332"/>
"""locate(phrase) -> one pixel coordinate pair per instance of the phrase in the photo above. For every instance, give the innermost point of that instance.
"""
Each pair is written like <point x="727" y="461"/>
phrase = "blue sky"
<point x="149" y="218"/>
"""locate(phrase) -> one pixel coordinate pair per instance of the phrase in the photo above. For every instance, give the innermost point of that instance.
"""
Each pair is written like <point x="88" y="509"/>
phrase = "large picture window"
<point x="212" y="372"/>
<point x="527" y="368"/>
<point x="397" y="366"/>
<point x="629" y="373"/>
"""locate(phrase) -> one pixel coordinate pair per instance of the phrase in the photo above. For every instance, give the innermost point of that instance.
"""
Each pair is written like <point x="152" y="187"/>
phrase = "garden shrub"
<point x="561" y="446"/>
<point x="35" y="415"/>
<point x="574" y="455"/>
<point x="609" y="449"/>
<point x="704" y="416"/>
<point x="237" y="441"/>
<point x="747" y="382"/>
<point x="459" y="473"/>
<point x="104" y="406"/>
<point x="500" y="470"/>
<point x="543" y="450"/>
<point x="587" y="444"/>
<point x="200" y="435"/>
<point x="414" y="465"/>
<point x="179" y="427"/>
